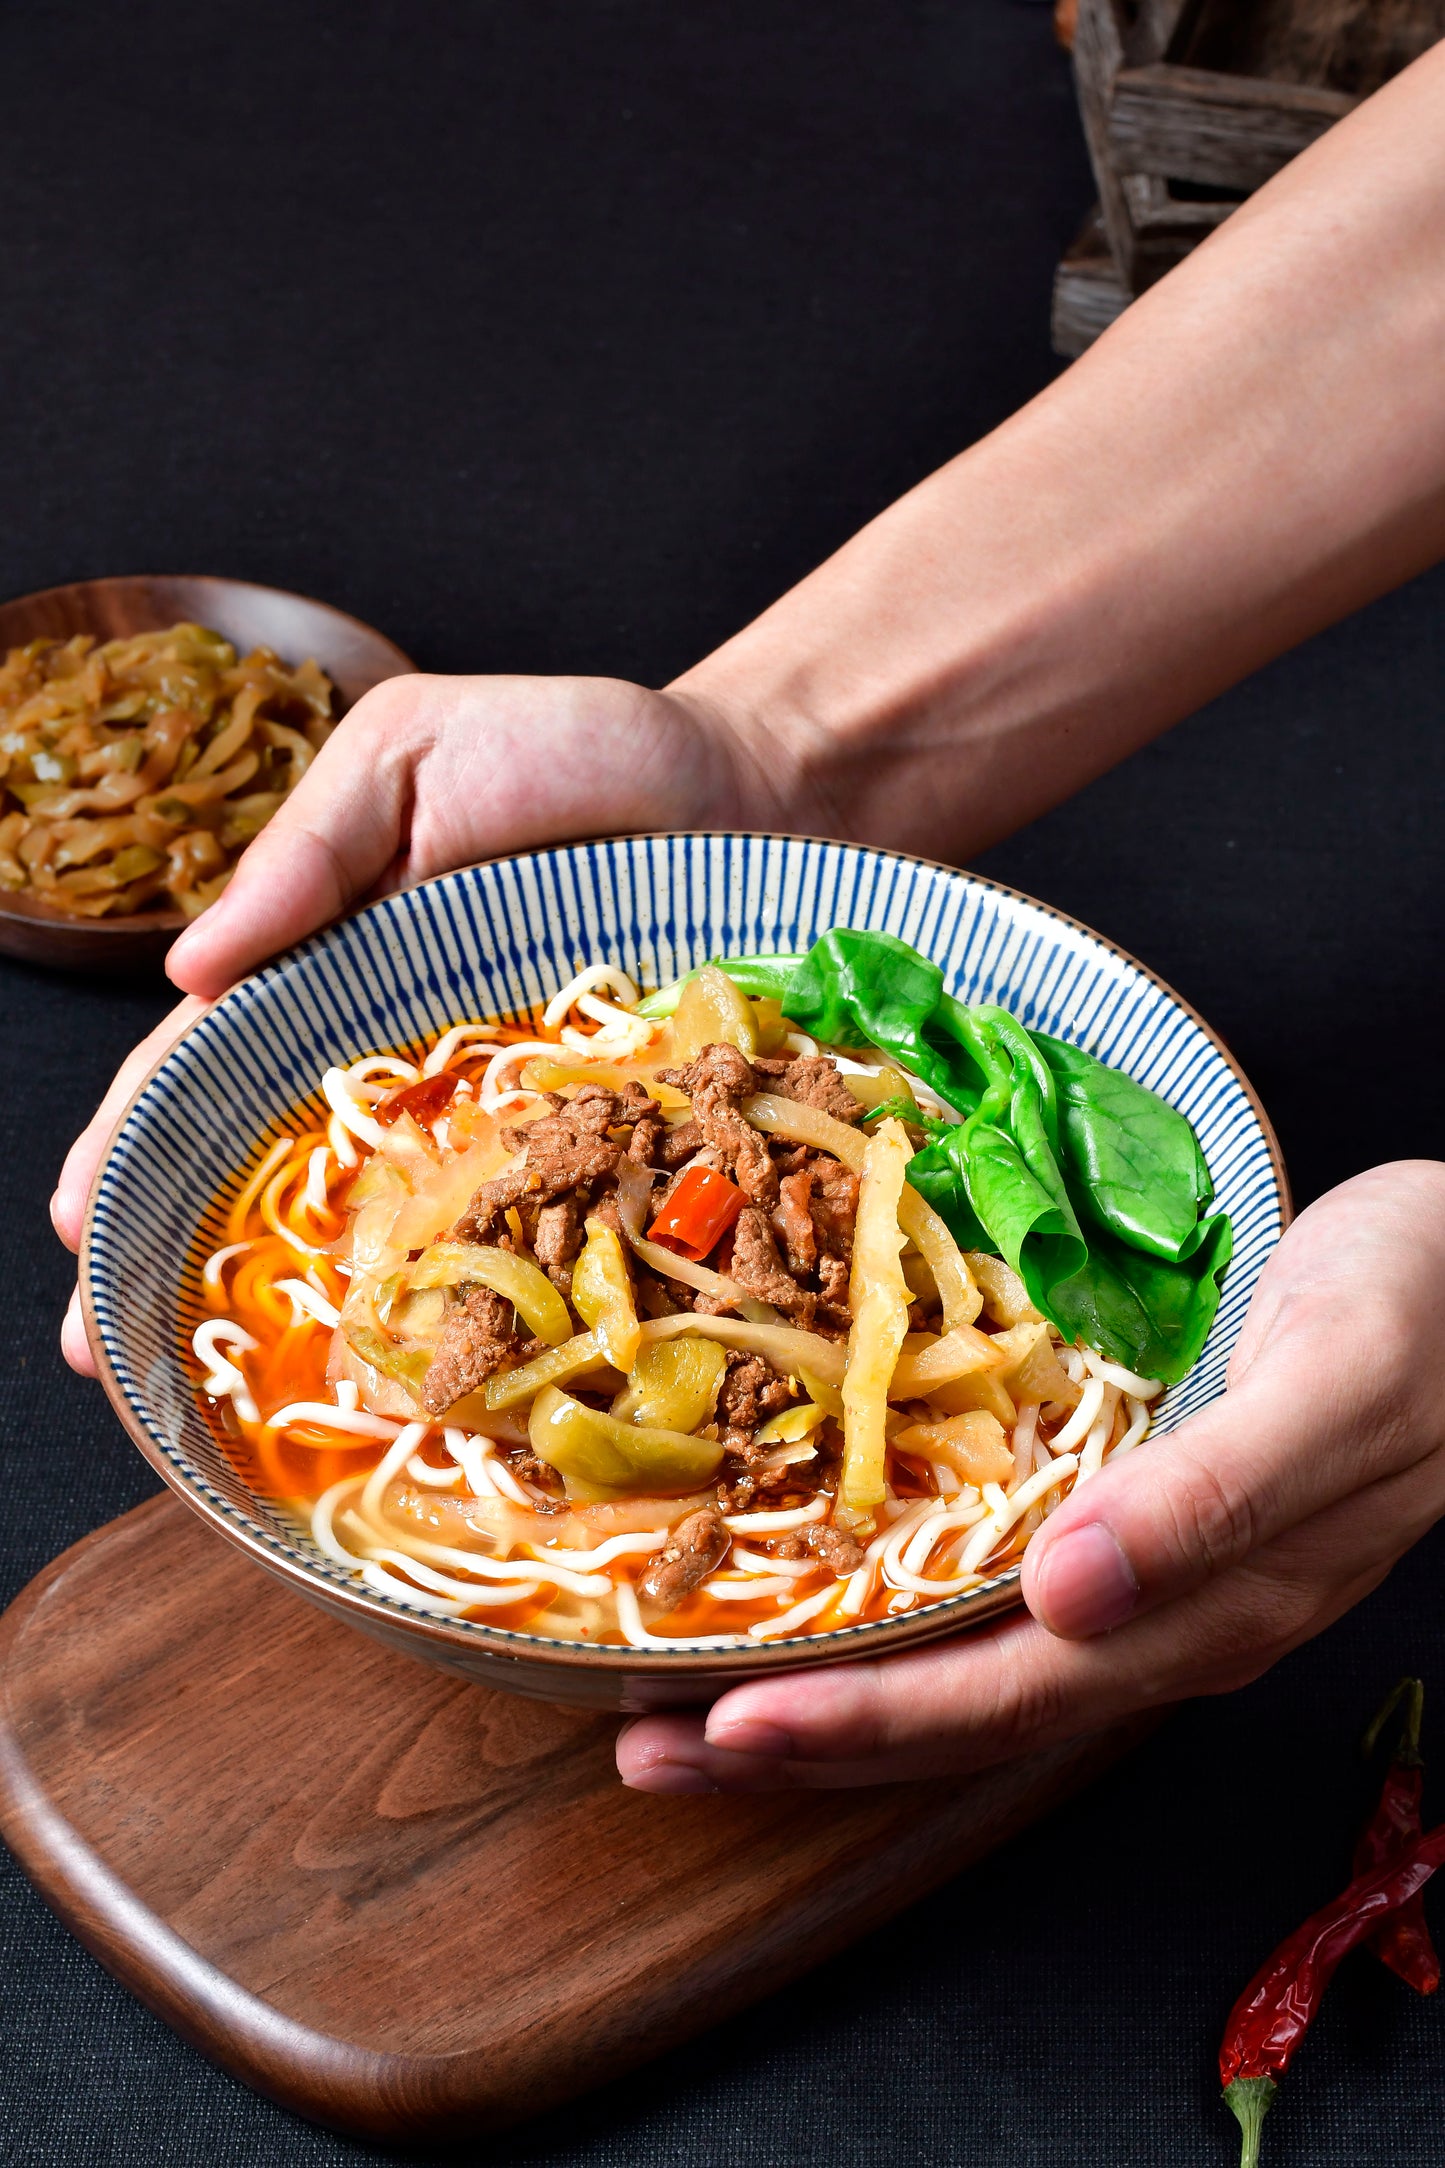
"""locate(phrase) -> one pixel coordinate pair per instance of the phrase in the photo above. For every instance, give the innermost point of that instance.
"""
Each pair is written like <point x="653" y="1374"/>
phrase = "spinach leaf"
<point x="762" y="978"/>
<point x="861" y="989"/>
<point x="1024" y="1207"/>
<point x="938" y="1174"/>
<point x="1134" y="1161"/>
<point x="967" y="1043"/>
<point x="1152" y="1316"/>
<point x="996" y="1182"/>
<point x="995" y="1045"/>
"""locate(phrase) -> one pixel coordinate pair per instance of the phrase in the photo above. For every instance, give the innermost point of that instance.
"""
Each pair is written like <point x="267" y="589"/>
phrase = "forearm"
<point x="1254" y="450"/>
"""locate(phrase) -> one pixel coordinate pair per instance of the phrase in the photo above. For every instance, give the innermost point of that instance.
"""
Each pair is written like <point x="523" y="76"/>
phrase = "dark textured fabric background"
<point x="563" y="334"/>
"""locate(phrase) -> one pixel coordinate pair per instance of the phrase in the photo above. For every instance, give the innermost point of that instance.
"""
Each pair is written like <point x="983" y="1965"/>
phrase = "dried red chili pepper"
<point x="423" y="1100"/>
<point x="1273" y="2014"/>
<point x="1403" y="1942"/>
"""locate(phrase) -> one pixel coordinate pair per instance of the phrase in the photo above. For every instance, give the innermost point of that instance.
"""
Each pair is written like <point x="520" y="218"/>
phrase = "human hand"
<point x="428" y="773"/>
<point x="1189" y="1568"/>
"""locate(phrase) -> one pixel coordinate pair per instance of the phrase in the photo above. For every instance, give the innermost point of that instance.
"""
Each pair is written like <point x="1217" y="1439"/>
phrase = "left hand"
<point x="1189" y="1568"/>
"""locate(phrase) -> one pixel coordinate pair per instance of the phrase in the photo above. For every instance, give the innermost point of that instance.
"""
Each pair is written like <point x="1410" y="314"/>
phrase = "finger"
<point x="664" y="1754"/>
<point x="74" y="1345"/>
<point x="72" y="1191"/>
<point x="342" y="826"/>
<point x="1341" y="1385"/>
<point x="1011" y="1689"/>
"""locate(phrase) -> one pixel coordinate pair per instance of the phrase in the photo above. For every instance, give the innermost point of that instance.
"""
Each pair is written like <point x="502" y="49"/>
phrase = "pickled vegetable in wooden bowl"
<point x="148" y="730"/>
<point x="142" y="768"/>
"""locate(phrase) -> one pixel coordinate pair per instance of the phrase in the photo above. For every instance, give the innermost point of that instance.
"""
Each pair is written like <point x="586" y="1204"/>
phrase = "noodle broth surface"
<point x="325" y="1323"/>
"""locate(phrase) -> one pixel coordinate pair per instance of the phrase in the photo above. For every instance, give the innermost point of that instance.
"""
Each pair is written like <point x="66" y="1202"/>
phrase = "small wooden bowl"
<point x="353" y="655"/>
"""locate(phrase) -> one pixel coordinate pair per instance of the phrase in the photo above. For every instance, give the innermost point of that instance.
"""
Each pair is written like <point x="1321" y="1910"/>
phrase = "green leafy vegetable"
<point x="1151" y="1315"/>
<point x="855" y="988"/>
<point x="938" y="1173"/>
<point x="762" y="978"/>
<point x="900" y="1110"/>
<point x="1142" y="1173"/>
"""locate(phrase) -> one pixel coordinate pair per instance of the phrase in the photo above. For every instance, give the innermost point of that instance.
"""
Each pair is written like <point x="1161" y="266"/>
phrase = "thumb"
<point x="1342" y="1372"/>
<point x="1179" y="1510"/>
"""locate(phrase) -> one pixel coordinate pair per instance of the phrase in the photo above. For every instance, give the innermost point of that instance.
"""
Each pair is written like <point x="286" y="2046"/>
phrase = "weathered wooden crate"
<point x="1088" y="291"/>
<point x="1189" y="105"/>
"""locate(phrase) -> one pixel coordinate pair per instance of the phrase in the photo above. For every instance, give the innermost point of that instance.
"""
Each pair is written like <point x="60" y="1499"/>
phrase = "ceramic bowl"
<point x="496" y="938"/>
<point x="354" y="656"/>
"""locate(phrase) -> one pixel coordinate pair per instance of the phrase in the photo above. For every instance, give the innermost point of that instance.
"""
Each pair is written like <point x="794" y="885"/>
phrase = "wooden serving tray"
<point x="401" y="1904"/>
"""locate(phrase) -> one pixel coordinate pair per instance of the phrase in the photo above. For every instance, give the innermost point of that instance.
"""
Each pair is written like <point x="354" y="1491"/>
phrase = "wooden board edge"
<point x="430" y="2101"/>
<point x="174" y="1981"/>
<point x="223" y="2021"/>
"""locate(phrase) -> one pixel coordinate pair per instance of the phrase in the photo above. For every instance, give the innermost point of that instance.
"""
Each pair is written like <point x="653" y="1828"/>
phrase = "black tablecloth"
<point x="562" y="336"/>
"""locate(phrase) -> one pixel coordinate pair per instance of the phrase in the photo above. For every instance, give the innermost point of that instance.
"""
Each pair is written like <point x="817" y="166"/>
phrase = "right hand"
<point x="429" y="773"/>
<point x="1186" y="1569"/>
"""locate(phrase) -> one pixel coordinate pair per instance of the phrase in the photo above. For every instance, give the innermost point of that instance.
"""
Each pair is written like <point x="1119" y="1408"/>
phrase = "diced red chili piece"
<point x="423" y="1100"/>
<point x="700" y="1210"/>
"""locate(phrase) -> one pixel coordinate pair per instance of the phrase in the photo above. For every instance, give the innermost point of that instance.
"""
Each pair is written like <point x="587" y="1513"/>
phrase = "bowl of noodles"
<point x="149" y="728"/>
<point x="617" y="1271"/>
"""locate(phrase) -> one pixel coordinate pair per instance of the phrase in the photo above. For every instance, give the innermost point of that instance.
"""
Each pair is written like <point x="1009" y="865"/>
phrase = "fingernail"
<point x="1085" y="1584"/>
<point x="669" y="1777"/>
<point x="741" y="1735"/>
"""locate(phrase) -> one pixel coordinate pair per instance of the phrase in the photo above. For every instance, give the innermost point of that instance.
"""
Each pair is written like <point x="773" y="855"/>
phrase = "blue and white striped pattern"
<point x="497" y="938"/>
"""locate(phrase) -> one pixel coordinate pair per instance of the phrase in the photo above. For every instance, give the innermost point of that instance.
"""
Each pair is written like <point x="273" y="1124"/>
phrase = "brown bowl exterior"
<point x="353" y="655"/>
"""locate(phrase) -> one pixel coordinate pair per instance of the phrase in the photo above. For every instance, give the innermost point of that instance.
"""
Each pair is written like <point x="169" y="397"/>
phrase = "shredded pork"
<point x="696" y="1548"/>
<point x="716" y="1082"/>
<point x="478" y="1337"/>
<point x="789" y="1246"/>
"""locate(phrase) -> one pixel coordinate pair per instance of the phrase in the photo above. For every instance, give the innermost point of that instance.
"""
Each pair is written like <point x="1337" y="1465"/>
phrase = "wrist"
<point x="746" y="769"/>
<point x="904" y="693"/>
